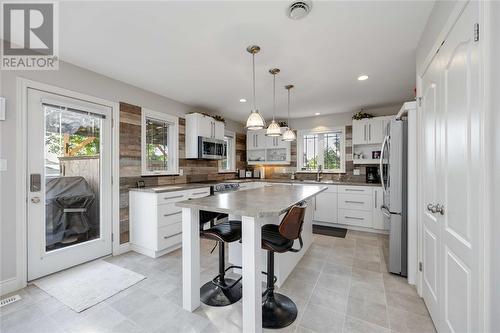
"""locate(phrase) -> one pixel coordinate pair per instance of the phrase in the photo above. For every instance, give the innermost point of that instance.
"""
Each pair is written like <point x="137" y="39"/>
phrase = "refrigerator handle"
<point x="385" y="211"/>
<point x="382" y="165"/>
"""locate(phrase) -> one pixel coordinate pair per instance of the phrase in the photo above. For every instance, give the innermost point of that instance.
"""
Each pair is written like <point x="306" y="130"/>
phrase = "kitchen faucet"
<point x="319" y="173"/>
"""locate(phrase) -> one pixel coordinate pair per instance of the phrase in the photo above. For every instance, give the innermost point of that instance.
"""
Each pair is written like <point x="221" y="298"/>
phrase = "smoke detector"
<point x="299" y="9"/>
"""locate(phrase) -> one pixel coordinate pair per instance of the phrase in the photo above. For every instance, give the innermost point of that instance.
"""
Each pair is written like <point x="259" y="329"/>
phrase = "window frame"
<point x="231" y="149"/>
<point x="320" y="132"/>
<point x="173" y="142"/>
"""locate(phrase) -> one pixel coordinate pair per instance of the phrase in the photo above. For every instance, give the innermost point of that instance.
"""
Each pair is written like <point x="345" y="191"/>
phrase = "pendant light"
<point x="255" y="120"/>
<point x="274" y="128"/>
<point x="289" y="134"/>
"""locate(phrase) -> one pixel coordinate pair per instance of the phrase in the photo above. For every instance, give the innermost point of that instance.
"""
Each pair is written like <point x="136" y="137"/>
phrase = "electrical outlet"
<point x="3" y="164"/>
<point x="181" y="172"/>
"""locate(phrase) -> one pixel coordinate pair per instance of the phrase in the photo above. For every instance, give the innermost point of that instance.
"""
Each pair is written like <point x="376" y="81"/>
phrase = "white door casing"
<point x="41" y="262"/>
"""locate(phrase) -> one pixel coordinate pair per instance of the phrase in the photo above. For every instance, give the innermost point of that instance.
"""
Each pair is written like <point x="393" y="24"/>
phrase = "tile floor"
<point x="341" y="285"/>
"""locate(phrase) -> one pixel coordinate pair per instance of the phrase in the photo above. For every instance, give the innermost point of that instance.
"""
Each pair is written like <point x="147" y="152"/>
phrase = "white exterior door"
<point x="69" y="182"/>
<point x="453" y="182"/>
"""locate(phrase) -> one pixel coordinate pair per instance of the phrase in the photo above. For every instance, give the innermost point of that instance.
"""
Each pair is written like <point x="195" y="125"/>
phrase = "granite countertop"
<point x="189" y="186"/>
<point x="267" y="201"/>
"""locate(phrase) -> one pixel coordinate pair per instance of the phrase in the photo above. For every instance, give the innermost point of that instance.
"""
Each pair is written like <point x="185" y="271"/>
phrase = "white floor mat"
<point x="86" y="285"/>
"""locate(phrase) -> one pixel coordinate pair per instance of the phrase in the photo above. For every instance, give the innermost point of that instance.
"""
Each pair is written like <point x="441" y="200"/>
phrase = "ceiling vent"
<point x="299" y="9"/>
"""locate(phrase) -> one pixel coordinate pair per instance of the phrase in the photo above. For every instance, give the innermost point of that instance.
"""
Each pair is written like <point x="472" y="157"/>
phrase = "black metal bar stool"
<point x="221" y="291"/>
<point x="278" y="310"/>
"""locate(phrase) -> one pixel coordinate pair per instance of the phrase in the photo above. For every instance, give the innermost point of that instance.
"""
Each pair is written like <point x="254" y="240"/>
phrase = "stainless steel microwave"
<point x="211" y="149"/>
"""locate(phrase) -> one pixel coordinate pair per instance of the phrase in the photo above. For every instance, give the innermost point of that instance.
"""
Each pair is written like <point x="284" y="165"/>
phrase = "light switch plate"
<point x="2" y="108"/>
<point x="356" y="172"/>
<point x="3" y="164"/>
<point x="181" y="172"/>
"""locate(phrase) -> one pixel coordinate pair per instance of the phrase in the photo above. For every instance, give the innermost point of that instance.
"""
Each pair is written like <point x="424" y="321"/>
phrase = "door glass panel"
<point x="156" y="145"/>
<point x="72" y="176"/>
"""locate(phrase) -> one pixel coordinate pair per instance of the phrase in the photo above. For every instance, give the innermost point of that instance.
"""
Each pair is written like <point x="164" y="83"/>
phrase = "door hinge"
<point x="476" y="32"/>
<point x="420" y="266"/>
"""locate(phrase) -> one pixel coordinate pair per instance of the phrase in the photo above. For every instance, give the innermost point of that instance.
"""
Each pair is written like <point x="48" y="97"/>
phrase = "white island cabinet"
<point x="155" y="221"/>
<point x="350" y="206"/>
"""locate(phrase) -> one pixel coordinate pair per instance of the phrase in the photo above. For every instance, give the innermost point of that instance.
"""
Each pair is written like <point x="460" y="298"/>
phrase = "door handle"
<point x="35" y="200"/>
<point x="439" y="209"/>
<point x="385" y="211"/>
<point x="376" y="192"/>
<point x="432" y="208"/>
<point x="370" y="132"/>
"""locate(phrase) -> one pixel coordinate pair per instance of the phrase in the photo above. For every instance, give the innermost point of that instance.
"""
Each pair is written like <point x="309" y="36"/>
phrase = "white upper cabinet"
<point x="262" y="149"/>
<point x="198" y="124"/>
<point x="369" y="131"/>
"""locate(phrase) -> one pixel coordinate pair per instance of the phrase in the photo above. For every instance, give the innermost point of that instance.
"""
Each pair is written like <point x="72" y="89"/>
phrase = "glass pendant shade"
<point x="255" y="121"/>
<point x="273" y="129"/>
<point x="289" y="135"/>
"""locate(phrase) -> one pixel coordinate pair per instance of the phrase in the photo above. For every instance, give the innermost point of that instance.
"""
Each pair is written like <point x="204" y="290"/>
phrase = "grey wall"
<point x="76" y="79"/>
<point x="435" y="24"/>
<point x="342" y="119"/>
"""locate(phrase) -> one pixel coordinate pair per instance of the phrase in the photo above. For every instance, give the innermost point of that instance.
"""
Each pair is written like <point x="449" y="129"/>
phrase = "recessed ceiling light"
<point x="317" y="114"/>
<point x="242" y="100"/>
<point x="362" y="77"/>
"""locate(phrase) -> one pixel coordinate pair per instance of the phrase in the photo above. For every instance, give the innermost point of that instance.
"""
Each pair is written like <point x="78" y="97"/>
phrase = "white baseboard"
<point x="152" y="253"/>
<point x="11" y="285"/>
<point x="122" y="248"/>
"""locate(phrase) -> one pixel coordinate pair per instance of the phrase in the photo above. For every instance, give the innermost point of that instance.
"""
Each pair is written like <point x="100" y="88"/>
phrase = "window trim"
<point x="321" y="130"/>
<point x="173" y="139"/>
<point x="232" y="168"/>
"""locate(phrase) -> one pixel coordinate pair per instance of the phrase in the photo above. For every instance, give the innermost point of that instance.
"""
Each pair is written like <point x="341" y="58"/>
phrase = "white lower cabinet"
<point x="325" y="205"/>
<point x="350" y="205"/>
<point x="156" y="222"/>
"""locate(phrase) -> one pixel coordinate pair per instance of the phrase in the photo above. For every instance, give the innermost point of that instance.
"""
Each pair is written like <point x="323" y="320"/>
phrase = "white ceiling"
<point x="194" y="52"/>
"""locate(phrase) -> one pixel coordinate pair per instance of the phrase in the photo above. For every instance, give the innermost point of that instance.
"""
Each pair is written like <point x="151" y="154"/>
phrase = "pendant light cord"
<point x="289" y="125"/>
<point x="274" y="95"/>
<point x="253" y="66"/>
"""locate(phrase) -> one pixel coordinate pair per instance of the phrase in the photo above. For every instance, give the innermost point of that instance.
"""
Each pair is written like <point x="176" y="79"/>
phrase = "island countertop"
<point x="267" y="201"/>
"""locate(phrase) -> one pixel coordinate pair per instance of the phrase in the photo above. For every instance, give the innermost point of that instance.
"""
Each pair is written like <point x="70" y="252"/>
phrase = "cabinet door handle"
<point x="364" y="131"/>
<point x="174" y="197"/>
<point x="165" y="237"/>
<point x="176" y="213"/>
<point x="353" y="218"/>
<point x="370" y="131"/>
<point x="315" y="205"/>
<point x="376" y="192"/>
<point x="356" y="202"/>
<point x="198" y="193"/>
<point x="354" y="190"/>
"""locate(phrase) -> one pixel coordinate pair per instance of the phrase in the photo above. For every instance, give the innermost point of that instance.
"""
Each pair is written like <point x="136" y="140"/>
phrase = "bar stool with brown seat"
<point x="221" y="291"/>
<point x="278" y="310"/>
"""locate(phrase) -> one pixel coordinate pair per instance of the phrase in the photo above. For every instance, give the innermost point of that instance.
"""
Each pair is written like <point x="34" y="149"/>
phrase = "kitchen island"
<point x="256" y="207"/>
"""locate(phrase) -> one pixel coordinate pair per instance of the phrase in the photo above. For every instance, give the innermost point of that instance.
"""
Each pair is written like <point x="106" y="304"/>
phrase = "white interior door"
<point x="431" y="90"/>
<point x="460" y="176"/>
<point x="69" y="182"/>
<point x="452" y="180"/>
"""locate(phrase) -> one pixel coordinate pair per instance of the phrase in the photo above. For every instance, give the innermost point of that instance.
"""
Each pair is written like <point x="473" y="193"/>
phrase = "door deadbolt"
<point x="35" y="200"/>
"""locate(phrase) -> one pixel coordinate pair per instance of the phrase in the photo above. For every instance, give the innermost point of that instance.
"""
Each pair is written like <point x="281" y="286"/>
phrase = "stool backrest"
<point x="291" y="225"/>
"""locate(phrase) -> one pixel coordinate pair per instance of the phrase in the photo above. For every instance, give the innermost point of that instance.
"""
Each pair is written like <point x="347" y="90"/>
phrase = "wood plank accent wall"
<point x="130" y="162"/>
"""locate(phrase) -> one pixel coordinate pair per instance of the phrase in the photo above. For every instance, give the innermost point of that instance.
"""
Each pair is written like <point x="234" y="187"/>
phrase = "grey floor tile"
<point x="311" y="263"/>
<point x="371" y="312"/>
<point x="406" y="322"/>
<point x="329" y="299"/>
<point x="363" y="291"/>
<point x="339" y="284"/>
<point x="321" y="319"/>
<point x="297" y="288"/>
<point x="353" y="325"/>
<point x="374" y="266"/>
<point x="373" y="279"/>
<point x="410" y="303"/>
<point x="339" y="270"/>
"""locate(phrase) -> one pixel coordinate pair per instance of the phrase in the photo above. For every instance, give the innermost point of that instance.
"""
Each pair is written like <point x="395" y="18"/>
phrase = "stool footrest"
<point x="216" y="279"/>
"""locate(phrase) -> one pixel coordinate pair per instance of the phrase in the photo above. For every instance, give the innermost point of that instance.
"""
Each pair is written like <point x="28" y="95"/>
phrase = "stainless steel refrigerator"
<point x="393" y="172"/>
